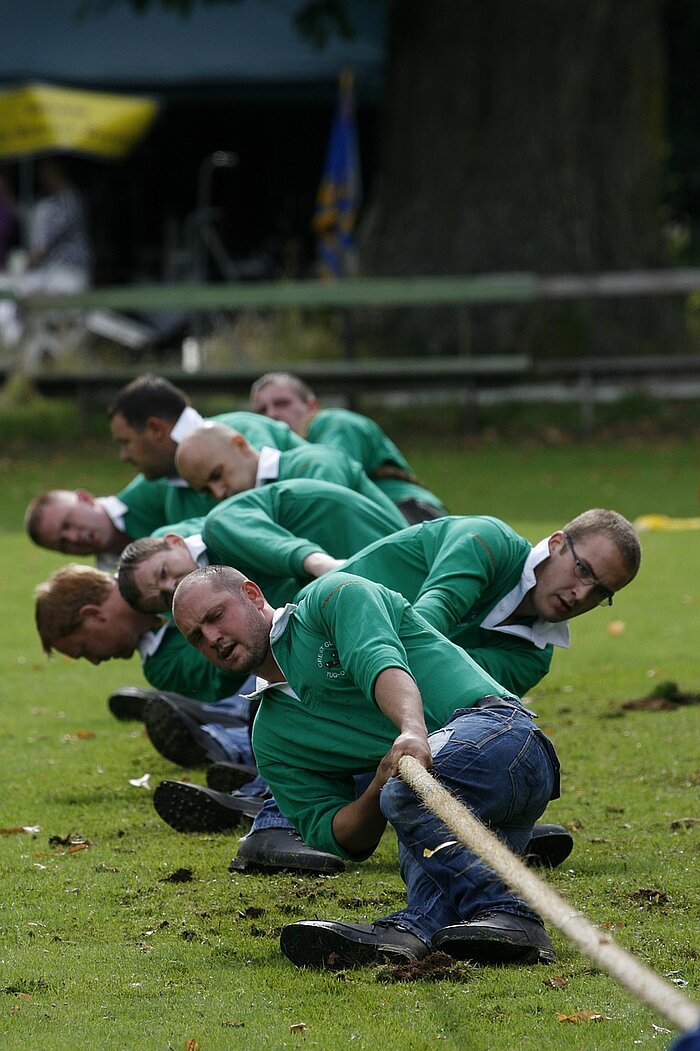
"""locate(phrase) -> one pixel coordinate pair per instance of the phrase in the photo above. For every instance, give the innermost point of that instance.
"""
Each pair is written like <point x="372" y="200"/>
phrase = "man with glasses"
<point x="501" y="599"/>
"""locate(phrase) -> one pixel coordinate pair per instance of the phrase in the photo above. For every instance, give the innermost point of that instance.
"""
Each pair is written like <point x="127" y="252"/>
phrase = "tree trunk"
<point x="523" y="136"/>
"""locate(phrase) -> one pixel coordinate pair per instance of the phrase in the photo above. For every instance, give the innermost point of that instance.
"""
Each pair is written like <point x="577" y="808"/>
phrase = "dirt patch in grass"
<point x="436" y="967"/>
<point x="666" y="697"/>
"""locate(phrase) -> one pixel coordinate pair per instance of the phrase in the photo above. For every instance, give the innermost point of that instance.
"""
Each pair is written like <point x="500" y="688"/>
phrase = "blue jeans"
<point x="228" y="743"/>
<point x="497" y="763"/>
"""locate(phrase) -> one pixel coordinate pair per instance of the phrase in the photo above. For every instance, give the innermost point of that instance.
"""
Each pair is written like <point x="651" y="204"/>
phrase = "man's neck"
<point x="117" y="543"/>
<point x="270" y="669"/>
<point x="306" y="423"/>
<point x="525" y="610"/>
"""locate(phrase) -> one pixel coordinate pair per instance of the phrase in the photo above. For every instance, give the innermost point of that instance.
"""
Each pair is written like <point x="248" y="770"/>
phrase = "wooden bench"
<point x="347" y="381"/>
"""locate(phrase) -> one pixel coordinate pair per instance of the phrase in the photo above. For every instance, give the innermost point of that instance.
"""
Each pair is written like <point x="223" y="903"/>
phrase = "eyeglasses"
<point x="586" y="575"/>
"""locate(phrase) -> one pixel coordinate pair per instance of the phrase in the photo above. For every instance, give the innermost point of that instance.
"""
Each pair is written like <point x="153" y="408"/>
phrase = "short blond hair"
<point x="599" y="521"/>
<point x="59" y="600"/>
<point x="34" y="515"/>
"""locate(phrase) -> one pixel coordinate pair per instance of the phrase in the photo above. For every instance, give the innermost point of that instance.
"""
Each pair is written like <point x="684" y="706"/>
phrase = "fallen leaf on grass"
<point x="71" y="840"/>
<point x="298" y="1027"/>
<point x="558" y="982"/>
<point x="617" y="627"/>
<point x="677" y="978"/>
<point x="141" y="782"/>
<point x="31" y="829"/>
<point x="191" y="1045"/>
<point x="608" y="925"/>
<point x="685" y="822"/>
<point x="650" y="896"/>
<point x="583" y="1016"/>
<point x="83" y="735"/>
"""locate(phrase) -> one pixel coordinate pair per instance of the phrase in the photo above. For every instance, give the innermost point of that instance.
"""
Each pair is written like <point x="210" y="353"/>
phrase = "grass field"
<point x="143" y="940"/>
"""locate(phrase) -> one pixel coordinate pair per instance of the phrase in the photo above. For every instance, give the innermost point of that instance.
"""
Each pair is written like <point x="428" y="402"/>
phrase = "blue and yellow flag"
<point x="340" y="191"/>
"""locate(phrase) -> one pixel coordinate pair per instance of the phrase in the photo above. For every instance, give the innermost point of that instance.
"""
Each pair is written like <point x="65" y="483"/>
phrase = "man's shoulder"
<point x="343" y="417"/>
<point x="260" y="430"/>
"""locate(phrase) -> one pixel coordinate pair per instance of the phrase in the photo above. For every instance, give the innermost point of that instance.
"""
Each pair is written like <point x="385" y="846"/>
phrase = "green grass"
<point x="99" y="949"/>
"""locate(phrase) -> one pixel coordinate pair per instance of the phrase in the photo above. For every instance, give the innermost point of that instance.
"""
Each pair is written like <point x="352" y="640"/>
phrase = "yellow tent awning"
<point x="41" y="117"/>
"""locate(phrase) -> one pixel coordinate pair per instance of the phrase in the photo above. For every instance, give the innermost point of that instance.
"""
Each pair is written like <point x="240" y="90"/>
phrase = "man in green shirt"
<point x="354" y="679"/>
<point x="283" y="535"/>
<point x="282" y="396"/>
<point x="223" y="462"/>
<point x="150" y="416"/>
<point x="504" y="601"/>
<point x="80" y="612"/>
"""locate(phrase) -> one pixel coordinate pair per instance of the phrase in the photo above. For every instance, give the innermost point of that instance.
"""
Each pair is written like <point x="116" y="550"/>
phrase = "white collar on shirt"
<point x="198" y="549"/>
<point x="279" y="622"/>
<point x="189" y="420"/>
<point x="115" y="508"/>
<point x="540" y="632"/>
<point x="148" y="644"/>
<point x="268" y="466"/>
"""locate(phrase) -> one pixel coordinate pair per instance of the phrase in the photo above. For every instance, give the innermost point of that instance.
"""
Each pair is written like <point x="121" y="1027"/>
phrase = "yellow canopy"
<point x="41" y="117"/>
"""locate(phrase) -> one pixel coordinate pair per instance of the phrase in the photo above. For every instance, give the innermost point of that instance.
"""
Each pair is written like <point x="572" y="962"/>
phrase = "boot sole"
<point x="224" y="777"/>
<point x="493" y="950"/>
<point x="548" y="851"/>
<point x="171" y="735"/>
<point x="188" y="808"/>
<point x="325" y="947"/>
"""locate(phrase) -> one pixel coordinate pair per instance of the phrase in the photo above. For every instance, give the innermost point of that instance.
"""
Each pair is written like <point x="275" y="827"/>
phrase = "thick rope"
<point x="596" y="944"/>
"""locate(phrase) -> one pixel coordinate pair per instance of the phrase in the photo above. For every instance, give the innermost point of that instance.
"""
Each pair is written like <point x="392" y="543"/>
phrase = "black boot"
<point x="193" y="808"/>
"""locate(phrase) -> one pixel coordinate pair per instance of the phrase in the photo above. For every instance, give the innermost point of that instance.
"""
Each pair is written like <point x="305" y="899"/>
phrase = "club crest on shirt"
<point x="327" y="659"/>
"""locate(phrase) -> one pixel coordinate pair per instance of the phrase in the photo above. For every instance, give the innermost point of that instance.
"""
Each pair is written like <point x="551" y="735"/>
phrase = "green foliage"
<point x="101" y="948"/>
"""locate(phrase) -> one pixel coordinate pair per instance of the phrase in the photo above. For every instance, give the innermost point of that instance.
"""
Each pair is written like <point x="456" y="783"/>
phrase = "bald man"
<point x="221" y="460"/>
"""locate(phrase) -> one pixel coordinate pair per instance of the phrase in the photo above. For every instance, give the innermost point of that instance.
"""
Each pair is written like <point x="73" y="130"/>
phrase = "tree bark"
<point x="523" y="136"/>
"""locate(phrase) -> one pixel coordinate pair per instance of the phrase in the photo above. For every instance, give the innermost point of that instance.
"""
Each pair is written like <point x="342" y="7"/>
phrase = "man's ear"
<point x="253" y="593"/>
<point x="160" y="429"/>
<point x="91" y="609"/>
<point x="84" y="496"/>
<point x="556" y="541"/>
<point x="174" y="539"/>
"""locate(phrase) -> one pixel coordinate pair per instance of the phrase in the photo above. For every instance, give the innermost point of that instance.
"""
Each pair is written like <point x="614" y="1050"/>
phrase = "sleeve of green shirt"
<point x="362" y="619"/>
<point x="464" y="561"/>
<point x="310" y="800"/>
<point x="190" y="527"/>
<point x="246" y="536"/>
<point x="358" y="436"/>
<point x="333" y="465"/>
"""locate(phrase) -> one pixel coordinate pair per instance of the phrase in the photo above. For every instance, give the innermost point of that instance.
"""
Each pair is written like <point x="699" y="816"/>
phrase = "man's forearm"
<point x="359" y="826"/>
<point x="318" y="563"/>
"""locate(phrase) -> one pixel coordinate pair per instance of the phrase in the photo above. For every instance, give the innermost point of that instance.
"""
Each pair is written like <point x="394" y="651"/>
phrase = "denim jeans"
<point x="228" y="743"/>
<point x="497" y="763"/>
